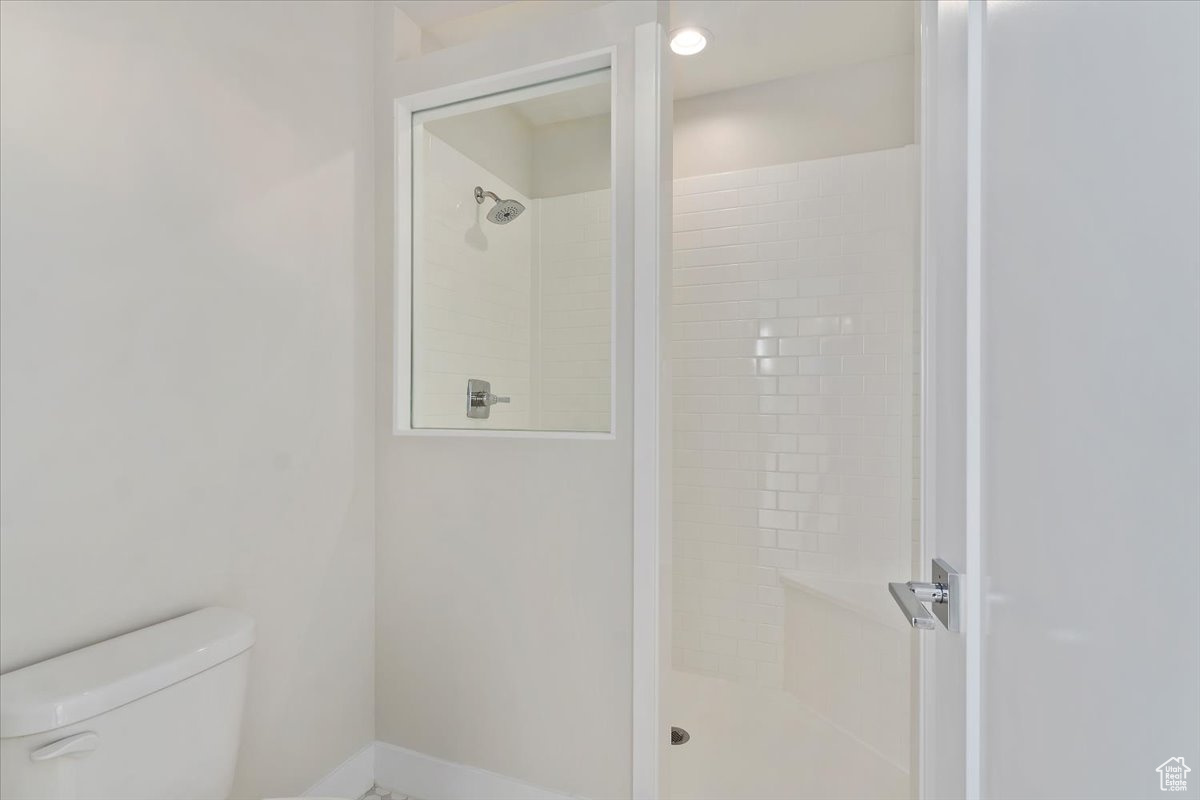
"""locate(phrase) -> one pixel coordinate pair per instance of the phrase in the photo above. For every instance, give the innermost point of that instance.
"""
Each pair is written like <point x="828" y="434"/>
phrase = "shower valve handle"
<point x="480" y="398"/>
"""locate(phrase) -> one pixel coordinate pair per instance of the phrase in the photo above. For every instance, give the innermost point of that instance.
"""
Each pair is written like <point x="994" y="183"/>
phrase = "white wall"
<point x="854" y="109"/>
<point x="186" y="372"/>
<point x="505" y="591"/>
<point x="792" y="376"/>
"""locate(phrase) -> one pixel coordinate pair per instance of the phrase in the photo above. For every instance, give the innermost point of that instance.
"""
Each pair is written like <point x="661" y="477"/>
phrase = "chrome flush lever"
<point x="480" y="398"/>
<point x="943" y="594"/>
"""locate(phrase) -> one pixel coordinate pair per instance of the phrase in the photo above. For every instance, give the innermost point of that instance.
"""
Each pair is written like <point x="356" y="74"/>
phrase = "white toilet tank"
<point x="154" y="714"/>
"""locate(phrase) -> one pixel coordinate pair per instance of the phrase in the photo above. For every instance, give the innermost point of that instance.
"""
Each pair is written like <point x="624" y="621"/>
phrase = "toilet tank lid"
<point x="81" y="684"/>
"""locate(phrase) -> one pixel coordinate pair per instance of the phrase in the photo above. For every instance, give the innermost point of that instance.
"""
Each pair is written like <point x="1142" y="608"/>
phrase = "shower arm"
<point x="480" y="194"/>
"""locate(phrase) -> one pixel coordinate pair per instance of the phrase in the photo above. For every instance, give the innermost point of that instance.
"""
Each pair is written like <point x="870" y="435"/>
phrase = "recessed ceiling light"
<point x="689" y="41"/>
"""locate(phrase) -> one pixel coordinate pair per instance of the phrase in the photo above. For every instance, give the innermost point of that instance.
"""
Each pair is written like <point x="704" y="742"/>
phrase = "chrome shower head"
<point x="504" y="212"/>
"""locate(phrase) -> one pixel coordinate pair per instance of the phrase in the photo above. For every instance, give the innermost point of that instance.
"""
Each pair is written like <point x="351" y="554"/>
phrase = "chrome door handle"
<point x="943" y="594"/>
<point x="906" y="597"/>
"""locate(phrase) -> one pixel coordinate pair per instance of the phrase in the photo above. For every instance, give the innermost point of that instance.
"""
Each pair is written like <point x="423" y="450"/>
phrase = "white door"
<point x="1062" y="414"/>
<point x="1091" y="391"/>
<point x="520" y="544"/>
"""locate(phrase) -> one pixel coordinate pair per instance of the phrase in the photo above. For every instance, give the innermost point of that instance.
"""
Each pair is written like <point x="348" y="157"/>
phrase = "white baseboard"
<point x="351" y="779"/>
<point x="430" y="778"/>
<point x="418" y="775"/>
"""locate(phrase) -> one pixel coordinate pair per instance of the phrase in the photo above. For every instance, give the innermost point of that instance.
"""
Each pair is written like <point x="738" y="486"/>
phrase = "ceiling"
<point x="752" y="40"/>
<point x="430" y="13"/>
<point x="577" y="102"/>
<point x="585" y="101"/>
<point x="446" y="23"/>
<point x="759" y="40"/>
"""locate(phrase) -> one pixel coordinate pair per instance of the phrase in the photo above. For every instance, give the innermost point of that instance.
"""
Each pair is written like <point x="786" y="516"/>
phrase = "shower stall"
<point x="793" y="346"/>
<point x="795" y="352"/>
<point x="715" y="334"/>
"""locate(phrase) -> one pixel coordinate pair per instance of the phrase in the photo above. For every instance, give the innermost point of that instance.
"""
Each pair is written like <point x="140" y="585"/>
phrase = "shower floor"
<point x="753" y="743"/>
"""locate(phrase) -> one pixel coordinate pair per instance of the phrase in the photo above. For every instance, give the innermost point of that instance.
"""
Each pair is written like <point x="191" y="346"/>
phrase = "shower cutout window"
<point x="512" y="260"/>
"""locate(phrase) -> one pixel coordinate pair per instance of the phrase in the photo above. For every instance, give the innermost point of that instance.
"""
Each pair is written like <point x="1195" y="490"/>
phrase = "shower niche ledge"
<point x="846" y="656"/>
<point x="867" y="599"/>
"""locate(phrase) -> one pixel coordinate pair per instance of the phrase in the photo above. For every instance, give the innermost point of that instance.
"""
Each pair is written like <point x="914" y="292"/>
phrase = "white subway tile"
<point x="758" y="271"/>
<point x="801" y="385"/>
<point x="799" y="345"/>
<point x="705" y="202"/>
<point x="763" y="232"/>
<point x="716" y="237"/>
<point x="757" y="195"/>
<point x="820" y="247"/>
<point x="841" y="345"/>
<point x="779" y="212"/>
<point x="799" y="228"/>
<point x="757" y="651"/>
<point x="739" y="366"/>
<point x="776" y="366"/>
<point x="777" y="405"/>
<point x="785" y="520"/>
<point x="777" y="327"/>
<point x="799" y="423"/>
<point x="713" y="183"/>
<point x="865" y="365"/>
<point x="800" y="307"/>
<point x="842" y="224"/>
<point x="802" y="189"/>
<point x="777" y="288"/>
<point x="820" y="365"/>
<point x="819" y="207"/>
<point x="790" y="457"/>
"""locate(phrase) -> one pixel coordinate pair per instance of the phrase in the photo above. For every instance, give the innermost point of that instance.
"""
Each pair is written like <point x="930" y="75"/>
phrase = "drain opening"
<point x="679" y="736"/>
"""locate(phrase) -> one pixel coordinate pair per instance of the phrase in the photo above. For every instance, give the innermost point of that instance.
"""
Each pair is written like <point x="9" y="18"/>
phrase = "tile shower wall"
<point x="793" y="388"/>
<point x="473" y="304"/>
<point x="574" y="327"/>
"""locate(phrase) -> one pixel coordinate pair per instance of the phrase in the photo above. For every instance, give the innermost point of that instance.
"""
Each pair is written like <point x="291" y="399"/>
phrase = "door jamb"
<point x="973" y="621"/>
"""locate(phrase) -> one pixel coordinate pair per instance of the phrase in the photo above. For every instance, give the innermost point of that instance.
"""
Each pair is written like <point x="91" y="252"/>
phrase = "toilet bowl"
<point x="151" y="715"/>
